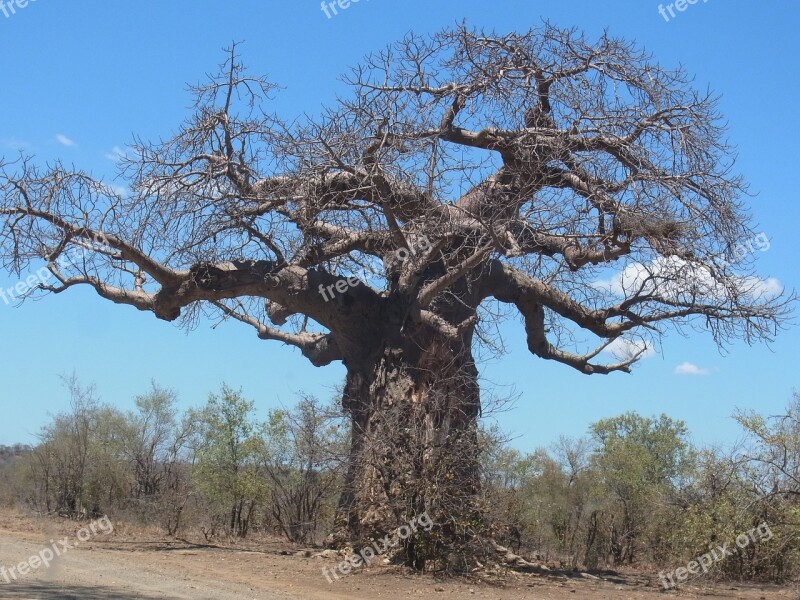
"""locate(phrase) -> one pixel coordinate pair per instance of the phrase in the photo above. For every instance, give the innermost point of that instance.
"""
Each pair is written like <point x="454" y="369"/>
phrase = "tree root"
<point x="517" y="562"/>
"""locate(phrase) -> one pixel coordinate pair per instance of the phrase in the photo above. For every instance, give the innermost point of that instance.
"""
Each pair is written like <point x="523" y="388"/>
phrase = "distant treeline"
<point x="9" y="454"/>
<point x="633" y="491"/>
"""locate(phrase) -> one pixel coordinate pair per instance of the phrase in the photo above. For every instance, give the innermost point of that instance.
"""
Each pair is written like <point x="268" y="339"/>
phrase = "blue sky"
<point x="82" y="77"/>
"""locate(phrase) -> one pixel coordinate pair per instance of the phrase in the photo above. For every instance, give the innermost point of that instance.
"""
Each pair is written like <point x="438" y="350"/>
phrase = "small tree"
<point x="79" y="468"/>
<point x="228" y="445"/>
<point x="771" y="470"/>
<point x="156" y="449"/>
<point x="640" y="459"/>
<point x="151" y="428"/>
<point x="63" y="451"/>
<point x="14" y="473"/>
<point x="303" y="459"/>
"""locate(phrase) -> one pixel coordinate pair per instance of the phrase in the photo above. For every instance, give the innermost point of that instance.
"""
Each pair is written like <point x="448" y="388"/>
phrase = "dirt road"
<point x="94" y="573"/>
<point x="119" y="567"/>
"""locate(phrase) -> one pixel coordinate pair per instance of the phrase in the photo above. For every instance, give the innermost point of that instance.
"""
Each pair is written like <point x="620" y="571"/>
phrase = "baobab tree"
<point x="467" y="177"/>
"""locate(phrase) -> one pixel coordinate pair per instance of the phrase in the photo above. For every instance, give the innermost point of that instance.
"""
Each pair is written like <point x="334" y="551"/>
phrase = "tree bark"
<point x="414" y="412"/>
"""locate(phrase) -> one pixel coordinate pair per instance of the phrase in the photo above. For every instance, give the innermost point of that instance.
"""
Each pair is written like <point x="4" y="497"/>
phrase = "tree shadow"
<point x="54" y="591"/>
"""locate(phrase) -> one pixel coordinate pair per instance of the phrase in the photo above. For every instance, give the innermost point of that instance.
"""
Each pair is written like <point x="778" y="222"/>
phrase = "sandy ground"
<point x="118" y="567"/>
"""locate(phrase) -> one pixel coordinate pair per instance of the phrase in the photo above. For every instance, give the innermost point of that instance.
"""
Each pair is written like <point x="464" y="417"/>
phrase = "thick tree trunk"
<point x="414" y="414"/>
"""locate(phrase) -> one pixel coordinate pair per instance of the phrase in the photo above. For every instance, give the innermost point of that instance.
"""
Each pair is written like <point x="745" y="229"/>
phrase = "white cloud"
<point x="64" y="140"/>
<point x="13" y="143"/>
<point x="762" y="288"/>
<point x="623" y="348"/>
<point x="673" y="278"/>
<point x="121" y="190"/>
<point x="687" y="368"/>
<point x="116" y="154"/>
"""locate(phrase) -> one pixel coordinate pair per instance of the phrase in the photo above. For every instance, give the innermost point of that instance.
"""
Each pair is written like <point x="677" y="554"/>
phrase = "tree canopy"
<point x="462" y="168"/>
